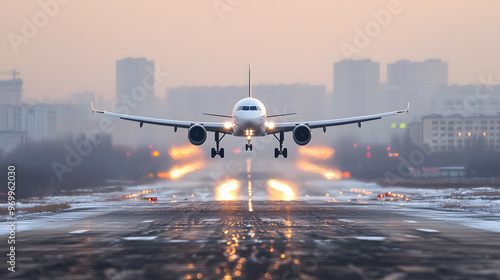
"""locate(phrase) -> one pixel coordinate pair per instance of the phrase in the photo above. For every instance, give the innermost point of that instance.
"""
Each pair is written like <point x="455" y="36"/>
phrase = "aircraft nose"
<point x="248" y="122"/>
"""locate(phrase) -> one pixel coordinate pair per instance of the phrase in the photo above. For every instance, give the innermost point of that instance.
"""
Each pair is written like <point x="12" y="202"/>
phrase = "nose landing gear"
<point x="281" y="150"/>
<point x="217" y="151"/>
<point x="249" y="133"/>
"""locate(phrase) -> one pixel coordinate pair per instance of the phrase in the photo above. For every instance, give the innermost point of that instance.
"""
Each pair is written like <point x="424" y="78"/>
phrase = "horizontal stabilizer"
<point x="217" y="115"/>
<point x="281" y="115"/>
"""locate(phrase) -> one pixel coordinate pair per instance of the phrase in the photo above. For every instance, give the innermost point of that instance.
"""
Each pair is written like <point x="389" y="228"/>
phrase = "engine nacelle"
<point x="197" y="134"/>
<point x="302" y="134"/>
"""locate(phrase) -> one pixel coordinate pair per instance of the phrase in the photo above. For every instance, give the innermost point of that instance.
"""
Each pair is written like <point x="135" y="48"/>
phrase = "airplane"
<point x="250" y="119"/>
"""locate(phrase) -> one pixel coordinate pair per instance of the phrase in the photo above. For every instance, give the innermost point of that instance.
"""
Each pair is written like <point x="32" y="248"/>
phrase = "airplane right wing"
<point x="284" y="127"/>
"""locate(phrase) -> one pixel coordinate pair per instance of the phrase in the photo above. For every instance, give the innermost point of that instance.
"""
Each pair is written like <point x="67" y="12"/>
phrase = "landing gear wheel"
<point x="250" y="146"/>
<point x="280" y="151"/>
<point x="216" y="150"/>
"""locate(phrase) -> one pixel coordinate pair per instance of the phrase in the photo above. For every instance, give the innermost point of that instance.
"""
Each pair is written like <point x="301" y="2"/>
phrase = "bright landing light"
<point x="184" y="152"/>
<point x="228" y="125"/>
<point x="228" y="190"/>
<point x="284" y="191"/>
<point x="270" y="125"/>
<point x="329" y="174"/>
<point x="319" y="152"/>
<point x="180" y="170"/>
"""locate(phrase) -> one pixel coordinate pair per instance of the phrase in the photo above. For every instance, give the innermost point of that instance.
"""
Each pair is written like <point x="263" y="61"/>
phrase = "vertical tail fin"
<point x="249" y="80"/>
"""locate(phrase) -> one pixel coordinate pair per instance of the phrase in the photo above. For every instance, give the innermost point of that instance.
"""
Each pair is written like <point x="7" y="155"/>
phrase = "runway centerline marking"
<point x="371" y="238"/>
<point x="212" y="220"/>
<point x="346" y="220"/>
<point x="427" y="230"/>
<point x="271" y="220"/>
<point x="140" y="238"/>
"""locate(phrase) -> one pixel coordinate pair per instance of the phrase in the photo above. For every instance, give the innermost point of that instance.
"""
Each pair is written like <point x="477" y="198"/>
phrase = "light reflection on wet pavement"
<point x="277" y="240"/>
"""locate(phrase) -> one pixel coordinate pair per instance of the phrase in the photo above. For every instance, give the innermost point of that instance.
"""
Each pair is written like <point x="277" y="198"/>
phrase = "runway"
<point x="264" y="240"/>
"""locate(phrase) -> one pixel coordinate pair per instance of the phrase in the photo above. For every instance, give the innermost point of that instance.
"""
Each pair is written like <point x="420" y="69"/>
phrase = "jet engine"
<point x="302" y="134"/>
<point x="197" y="134"/>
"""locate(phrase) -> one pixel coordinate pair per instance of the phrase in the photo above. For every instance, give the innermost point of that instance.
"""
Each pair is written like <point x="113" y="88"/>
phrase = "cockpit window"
<point x="248" y="108"/>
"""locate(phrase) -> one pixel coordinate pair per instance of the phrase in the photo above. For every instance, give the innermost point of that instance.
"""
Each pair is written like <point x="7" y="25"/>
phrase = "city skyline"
<point x="202" y="45"/>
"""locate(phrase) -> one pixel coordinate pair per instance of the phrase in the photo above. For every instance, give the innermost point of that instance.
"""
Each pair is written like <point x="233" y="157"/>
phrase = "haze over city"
<point x="249" y="139"/>
<point x="211" y="42"/>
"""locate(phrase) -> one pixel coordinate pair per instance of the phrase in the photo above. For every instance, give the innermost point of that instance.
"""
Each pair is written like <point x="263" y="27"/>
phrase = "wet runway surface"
<point x="277" y="240"/>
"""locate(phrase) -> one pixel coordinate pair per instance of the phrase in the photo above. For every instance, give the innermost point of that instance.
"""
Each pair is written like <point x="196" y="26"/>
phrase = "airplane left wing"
<point x="220" y="127"/>
<point x="284" y="127"/>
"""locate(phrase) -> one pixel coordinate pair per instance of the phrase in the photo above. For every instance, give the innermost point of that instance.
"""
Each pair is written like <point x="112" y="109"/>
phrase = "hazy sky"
<point x="287" y="41"/>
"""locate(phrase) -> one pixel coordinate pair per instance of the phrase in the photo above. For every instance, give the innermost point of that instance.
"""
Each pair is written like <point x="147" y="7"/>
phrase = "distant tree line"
<point x="43" y="167"/>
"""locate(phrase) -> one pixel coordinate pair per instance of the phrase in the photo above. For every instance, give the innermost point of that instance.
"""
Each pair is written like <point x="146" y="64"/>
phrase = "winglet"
<point x="94" y="110"/>
<point x="249" y="80"/>
<point x="407" y="110"/>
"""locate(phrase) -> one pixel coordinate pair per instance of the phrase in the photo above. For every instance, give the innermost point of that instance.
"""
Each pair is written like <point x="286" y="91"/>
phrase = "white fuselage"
<point x="249" y="118"/>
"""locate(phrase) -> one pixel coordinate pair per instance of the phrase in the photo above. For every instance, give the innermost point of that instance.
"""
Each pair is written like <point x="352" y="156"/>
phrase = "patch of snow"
<point x="212" y="220"/>
<point x="79" y="231"/>
<point x="271" y="220"/>
<point x="371" y="238"/>
<point x="346" y="220"/>
<point x="140" y="238"/>
<point x="427" y="230"/>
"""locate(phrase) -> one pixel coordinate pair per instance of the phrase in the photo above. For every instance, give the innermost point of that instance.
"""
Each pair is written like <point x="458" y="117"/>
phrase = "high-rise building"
<point x="11" y="90"/>
<point x="38" y="121"/>
<point x="356" y="86"/>
<point x="456" y="133"/>
<point x="418" y="83"/>
<point x="135" y="90"/>
<point x="10" y="98"/>
<point x="135" y="83"/>
<point x="468" y="100"/>
<point x="429" y="73"/>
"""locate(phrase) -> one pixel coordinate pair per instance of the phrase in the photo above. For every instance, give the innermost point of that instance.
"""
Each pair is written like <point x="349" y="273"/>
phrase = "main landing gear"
<point x="280" y="151"/>
<point x="217" y="151"/>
